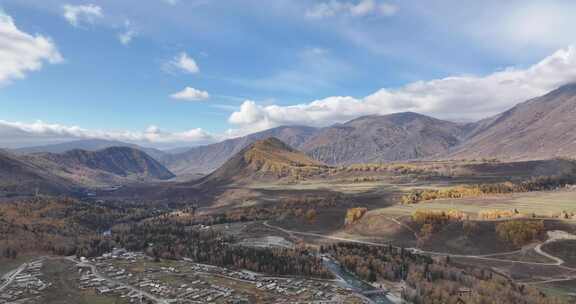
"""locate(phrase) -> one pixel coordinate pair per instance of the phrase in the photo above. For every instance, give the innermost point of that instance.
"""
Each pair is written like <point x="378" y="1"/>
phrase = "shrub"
<point x="520" y="232"/>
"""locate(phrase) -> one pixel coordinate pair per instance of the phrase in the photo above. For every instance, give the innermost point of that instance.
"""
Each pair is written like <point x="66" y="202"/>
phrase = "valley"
<point x="404" y="221"/>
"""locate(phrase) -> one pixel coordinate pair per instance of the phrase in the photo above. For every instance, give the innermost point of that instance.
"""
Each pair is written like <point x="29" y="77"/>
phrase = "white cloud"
<point x="78" y="14"/>
<point x="129" y="33"/>
<point x="21" y="52"/>
<point x="14" y="134"/>
<point x="456" y="98"/>
<point x="191" y="94"/>
<point x="334" y="8"/>
<point x="183" y="63"/>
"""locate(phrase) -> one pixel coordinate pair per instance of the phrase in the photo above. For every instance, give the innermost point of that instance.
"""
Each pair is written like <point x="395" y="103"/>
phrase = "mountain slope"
<point x="88" y="145"/>
<point x="205" y="159"/>
<point x="264" y="159"/>
<point x="119" y="161"/>
<point x="536" y="129"/>
<point x="400" y="136"/>
<point x="21" y="177"/>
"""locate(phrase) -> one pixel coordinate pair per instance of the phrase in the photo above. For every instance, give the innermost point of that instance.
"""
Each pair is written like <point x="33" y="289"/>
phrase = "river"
<point x="352" y="281"/>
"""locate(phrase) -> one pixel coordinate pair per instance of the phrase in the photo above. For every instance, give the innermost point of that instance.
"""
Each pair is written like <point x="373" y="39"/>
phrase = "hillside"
<point x="394" y="137"/>
<point x="20" y="177"/>
<point x="118" y="161"/>
<point x="268" y="159"/>
<point x="540" y="128"/>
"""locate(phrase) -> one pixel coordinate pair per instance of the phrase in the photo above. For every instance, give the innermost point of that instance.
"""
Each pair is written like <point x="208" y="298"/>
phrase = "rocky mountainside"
<point x="264" y="159"/>
<point x="540" y="128"/>
<point x="119" y="161"/>
<point x="394" y="137"/>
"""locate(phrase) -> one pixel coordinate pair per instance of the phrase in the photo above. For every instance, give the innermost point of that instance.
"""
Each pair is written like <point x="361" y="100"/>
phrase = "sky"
<point x="171" y="73"/>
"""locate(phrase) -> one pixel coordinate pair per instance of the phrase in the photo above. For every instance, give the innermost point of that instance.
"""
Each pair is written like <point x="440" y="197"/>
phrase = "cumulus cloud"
<point x="76" y="15"/>
<point x="128" y="34"/>
<point x="334" y="8"/>
<point x="191" y="94"/>
<point x="182" y="63"/>
<point x="456" y="98"/>
<point x="13" y="134"/>
<point x="21" y="52"/>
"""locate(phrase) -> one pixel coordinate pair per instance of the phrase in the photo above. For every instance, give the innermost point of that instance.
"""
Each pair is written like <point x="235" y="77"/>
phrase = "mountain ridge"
<point x="88" y="145"/>
<point x="542" y="127"/>
<point x="121" y="161"/>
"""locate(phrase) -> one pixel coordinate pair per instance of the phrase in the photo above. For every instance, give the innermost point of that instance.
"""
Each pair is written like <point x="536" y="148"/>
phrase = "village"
<point x="137" y="277"/>
<point x="23" y="285"/>
<point x="133" y="277"/>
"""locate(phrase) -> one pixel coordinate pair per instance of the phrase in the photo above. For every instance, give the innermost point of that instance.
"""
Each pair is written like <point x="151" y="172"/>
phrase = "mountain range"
<point x="88" y="145"/>
<point x="394" y="137"/>
<point x="536" y="129"/>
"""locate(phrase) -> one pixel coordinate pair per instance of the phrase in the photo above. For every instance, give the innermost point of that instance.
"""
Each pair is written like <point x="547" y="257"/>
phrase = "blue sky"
<point x="186" y="72"/>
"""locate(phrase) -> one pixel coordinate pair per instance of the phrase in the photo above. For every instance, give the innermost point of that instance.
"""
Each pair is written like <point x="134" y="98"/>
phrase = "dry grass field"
<point x="539" y="203"/>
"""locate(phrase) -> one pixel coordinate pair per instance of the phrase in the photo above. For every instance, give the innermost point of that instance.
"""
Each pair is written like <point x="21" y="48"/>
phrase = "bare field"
<point x="564" y="289"/>
<point x="565" y="250"/>
<point x="7" y="265"/>
<point x="64" y="278"/>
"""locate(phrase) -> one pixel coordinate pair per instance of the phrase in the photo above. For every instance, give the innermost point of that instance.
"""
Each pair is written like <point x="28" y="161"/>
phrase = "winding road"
<point x="553" y="236"/>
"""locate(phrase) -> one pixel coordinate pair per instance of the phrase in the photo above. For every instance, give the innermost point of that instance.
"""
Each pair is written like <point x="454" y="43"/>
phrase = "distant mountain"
<point x="400" y="136"/>
<point x="119" y="161"/>
<point x="267" y="159"/>
<point x="20" y="177"/>
<point x="204" y="159"/>
<point x="541" y="128"/>
<point x="394" y="137"/>
<point x="89" y="145"/>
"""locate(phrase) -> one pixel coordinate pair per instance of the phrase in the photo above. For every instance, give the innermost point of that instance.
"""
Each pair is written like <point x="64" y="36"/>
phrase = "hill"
<point x="540" y="128"/>
<point x="119" y="161"/>
<point x="268" y="159"/>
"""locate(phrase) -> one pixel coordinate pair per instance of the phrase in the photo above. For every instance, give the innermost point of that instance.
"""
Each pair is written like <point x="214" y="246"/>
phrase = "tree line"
<point x="542" y="183"/>
<point x="429" y="280"/>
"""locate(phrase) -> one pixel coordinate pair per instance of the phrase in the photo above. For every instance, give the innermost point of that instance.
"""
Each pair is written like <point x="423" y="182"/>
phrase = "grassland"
<point x="539" y="203"/>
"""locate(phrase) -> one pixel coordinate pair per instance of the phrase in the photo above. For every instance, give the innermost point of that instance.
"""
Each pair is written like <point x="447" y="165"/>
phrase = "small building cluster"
<point x="24" y="285"/>
<point x="188" y="282"/>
